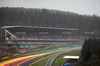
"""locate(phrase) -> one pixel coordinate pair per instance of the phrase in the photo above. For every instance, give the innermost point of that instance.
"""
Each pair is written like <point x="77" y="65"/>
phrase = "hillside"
<point x="49" y="18"/>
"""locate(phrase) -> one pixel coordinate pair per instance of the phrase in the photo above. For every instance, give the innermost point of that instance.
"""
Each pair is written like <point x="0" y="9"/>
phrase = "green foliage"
<point x="60" y="60"/>
<point x="93" y="61"/>
<point x="43" y="61"/>
<point x="49" y="18"/>
<point x="90" y="54"/>
<point x="98" y="51"/>
<point x="92" y="45"/>
<point x="87" y="55"/>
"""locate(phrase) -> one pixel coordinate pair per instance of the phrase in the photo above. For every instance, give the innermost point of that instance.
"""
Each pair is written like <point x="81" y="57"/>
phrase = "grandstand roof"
<point x="38" y="27"/>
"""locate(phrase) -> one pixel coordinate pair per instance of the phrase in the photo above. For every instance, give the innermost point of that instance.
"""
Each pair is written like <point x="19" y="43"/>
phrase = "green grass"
<point x="56" y="48"/>
<point x="60" y="60"/>
<point x="43" y="61"/>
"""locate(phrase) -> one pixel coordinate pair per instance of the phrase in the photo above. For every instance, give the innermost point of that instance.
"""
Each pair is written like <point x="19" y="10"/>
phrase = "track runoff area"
<point x="31" y="59"/>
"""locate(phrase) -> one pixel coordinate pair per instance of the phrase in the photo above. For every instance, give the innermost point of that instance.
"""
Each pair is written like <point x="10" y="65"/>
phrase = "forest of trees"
<point x="49" y="18"/>
<point x="90" y="54"/>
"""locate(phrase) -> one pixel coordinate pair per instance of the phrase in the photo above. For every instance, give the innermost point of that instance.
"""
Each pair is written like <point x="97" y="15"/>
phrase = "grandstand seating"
<point x="26" y="37"/>
<point x="31" y="35"/>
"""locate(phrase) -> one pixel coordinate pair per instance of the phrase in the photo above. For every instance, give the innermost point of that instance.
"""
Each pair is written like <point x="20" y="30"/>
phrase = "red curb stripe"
<point x="16" y="61"/>
<point x="0" y="58"/>
<point x="15" y="64"/>
<point x="10" y="55"/>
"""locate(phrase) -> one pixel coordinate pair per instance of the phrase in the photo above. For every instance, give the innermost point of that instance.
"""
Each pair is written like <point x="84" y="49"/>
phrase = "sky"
<point x="88" y="7"/>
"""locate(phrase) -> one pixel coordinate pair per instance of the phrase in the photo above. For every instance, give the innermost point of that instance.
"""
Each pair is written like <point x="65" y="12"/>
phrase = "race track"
<point x="27" y="59"/>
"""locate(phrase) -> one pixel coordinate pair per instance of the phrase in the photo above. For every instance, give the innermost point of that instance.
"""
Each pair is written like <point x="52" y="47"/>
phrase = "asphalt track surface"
<point x="33" y="60"/>
<point x="52" y="59"/>
<point x="27" y="59"/>
<point x="27" y="63"/>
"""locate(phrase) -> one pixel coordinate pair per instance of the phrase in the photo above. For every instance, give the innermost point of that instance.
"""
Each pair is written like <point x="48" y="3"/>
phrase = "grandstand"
<point x="34" y="37"/>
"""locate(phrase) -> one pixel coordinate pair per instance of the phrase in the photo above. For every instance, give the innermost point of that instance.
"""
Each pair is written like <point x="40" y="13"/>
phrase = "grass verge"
<point x="43" y="61"/>
<point x="60" y="60"/>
